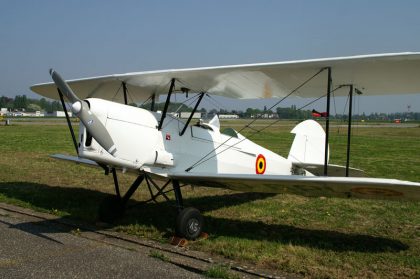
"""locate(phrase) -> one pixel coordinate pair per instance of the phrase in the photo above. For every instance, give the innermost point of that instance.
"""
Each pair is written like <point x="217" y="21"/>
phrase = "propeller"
<point x="81" y="109"/>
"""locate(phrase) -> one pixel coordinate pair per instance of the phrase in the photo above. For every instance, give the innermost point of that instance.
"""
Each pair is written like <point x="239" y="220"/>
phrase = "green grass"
<point x="220" y="271"/>
<point x="159" y="255"/>
<point x="314" y="237"/>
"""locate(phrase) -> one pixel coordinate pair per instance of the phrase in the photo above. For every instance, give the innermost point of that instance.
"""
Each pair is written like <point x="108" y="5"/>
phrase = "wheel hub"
<point x="193" y="226"/>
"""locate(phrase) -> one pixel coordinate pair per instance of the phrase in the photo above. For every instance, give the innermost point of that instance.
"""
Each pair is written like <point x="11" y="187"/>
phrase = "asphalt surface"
<point x="33" y="248"/>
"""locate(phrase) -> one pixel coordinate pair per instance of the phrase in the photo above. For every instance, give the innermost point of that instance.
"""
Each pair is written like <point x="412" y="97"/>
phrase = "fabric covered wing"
<point x="75" y="159"/>
<point x="344" y="187"/>
<point x="373" y="74"/>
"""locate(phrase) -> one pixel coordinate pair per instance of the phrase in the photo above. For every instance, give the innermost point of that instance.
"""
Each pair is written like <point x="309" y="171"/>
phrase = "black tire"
<point x="111" y="209"/>
<point x="189" y="223"/>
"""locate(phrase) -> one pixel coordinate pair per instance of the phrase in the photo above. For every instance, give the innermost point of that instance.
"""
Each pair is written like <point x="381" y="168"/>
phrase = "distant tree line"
<point x="282" y="113"/>
<point x="286" y="113"/>
<point x="21" y="102"/>
<point x="382" y="116"/>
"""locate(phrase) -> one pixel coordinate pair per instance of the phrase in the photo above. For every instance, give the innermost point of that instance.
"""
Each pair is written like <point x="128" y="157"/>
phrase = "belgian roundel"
<point x="260" y="164"/>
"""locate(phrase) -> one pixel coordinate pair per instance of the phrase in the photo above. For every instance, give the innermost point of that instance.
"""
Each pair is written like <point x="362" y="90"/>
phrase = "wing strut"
<point x="168" y="99"/>
<point x="358" y="92"/>
<point x="349" y="130"/>
<point x="68" y="121"/>
<point x="192" y="113"/>
<point x="125" y="92"/>
<point x="327" y="122"/>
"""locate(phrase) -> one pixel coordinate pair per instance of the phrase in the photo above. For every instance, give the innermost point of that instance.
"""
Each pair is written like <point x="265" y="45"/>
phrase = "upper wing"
<point x="311" y="186"/>
<point x="373" y="74"/>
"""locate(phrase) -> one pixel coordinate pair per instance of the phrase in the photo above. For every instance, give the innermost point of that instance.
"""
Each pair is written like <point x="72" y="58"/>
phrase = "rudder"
<point x="308" y="146"/>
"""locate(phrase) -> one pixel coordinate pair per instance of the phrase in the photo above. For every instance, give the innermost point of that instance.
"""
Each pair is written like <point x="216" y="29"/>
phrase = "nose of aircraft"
<point x="82" y="110"/>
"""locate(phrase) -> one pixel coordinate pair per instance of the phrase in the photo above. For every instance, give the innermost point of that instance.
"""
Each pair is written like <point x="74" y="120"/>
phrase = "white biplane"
<point x="156" y="145"/>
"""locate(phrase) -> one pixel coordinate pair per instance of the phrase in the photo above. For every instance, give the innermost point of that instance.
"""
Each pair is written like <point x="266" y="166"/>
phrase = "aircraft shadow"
<point x="39" y="229"/>
<point x="257" y="230"/>
<point x="320" y="239"/>
<point x="82" y="204"/>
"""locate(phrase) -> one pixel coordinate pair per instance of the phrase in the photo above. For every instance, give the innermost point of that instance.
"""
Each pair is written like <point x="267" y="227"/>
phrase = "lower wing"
<point x="75" y="159"/>
<point x="310" y="186"/>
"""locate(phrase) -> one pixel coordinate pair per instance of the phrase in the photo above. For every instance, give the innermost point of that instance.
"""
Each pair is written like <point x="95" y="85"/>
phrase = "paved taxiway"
<point x="40" y="249"/>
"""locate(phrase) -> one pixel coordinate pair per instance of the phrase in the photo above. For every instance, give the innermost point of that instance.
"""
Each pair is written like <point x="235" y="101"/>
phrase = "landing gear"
<point x="189" y="221"/>
<point x="112" y="208"/>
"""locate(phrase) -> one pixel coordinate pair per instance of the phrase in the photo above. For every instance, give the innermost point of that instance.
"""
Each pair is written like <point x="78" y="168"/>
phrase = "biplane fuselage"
<point x="141" y="146"/>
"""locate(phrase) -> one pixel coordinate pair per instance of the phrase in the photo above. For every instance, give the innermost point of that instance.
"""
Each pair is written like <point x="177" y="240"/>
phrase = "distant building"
<point x="186" y="114"/>
<point x="228" y="116"/>
<point x="36" y="114"/>
<point x="265" y="115"/>
<point x="269" y="115"/>
<point x="25" y="114"/>
<point x="59" y="113"/>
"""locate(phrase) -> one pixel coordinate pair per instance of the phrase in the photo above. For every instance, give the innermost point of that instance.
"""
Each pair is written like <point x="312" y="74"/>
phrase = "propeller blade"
<point x="81" y="109"/>
<point x="63" y="86"/>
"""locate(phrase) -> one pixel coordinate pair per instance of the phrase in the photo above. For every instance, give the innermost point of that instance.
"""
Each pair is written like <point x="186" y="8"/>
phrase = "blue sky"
<point x="88" y="38"/>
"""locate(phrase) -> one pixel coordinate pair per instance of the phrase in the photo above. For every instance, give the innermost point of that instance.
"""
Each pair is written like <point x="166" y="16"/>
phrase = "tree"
<point x="6" y="102"/>
<point x="20" y="102"/>
<point x="212" y="112"/>
<point x="252" y="112"/>
<point x="43" y="103"/>
<point x="249" y="112"/>
<point x="55" y="105"/>
<point x="34" y="107"/>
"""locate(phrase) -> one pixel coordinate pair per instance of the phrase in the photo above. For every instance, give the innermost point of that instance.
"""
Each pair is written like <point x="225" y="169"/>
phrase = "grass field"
<point x="314" y="237"/>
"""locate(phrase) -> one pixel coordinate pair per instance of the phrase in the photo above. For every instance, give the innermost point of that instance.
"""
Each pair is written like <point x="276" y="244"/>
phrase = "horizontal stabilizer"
<point x="310" y="186"/>
<point x="333" y="170"/>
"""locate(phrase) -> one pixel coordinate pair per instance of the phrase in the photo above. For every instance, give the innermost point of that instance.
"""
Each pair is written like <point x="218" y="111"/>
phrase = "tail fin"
<point x="309" y="144"/>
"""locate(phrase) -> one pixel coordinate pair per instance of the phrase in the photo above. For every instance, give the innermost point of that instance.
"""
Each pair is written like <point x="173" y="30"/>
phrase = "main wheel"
<point x="189" y="223"/>
<point x="111" y="209"/>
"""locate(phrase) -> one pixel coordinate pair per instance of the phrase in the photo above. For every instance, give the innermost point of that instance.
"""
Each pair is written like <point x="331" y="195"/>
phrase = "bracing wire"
<point x="116" y="93"/>
<point x="192" y="99"/>
<point x="150" y="98"/>
<point x="344" y="110"/>
<point x="131" y="97"/>
<point x="357" y="98"/>
<point x="278" y="120"/>
<point x="216" y="103"/>
<point x="284" y="98"/>
<point x="203" y="159"/>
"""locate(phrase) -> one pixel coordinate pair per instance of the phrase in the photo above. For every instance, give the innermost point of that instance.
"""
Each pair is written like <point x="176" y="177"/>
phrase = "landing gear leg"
<point x="178" y="195"/>
<point x="113" y="207"/>
<point x="189" y="222"/>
